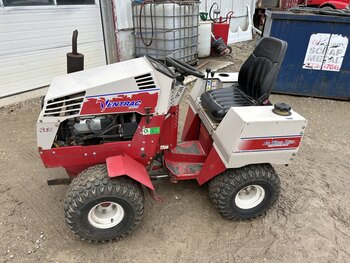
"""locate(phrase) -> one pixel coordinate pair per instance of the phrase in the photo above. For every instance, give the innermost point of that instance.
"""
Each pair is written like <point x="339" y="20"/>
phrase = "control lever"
<point x="208" y="82"/>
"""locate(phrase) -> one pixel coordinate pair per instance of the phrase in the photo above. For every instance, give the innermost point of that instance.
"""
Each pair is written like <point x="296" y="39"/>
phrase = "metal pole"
<point x="108" y="30"/>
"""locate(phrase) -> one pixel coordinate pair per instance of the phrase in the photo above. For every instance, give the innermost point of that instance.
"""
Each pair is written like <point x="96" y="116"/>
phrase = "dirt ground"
<point x="309" y="223"/>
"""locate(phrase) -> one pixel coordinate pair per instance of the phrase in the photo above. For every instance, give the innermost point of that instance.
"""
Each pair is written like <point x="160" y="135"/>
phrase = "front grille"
<point x="145" y="81"/>
<point x="64" y="106"/>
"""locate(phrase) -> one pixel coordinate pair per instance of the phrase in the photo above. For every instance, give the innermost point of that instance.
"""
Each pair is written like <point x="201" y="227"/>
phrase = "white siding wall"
<point x="34" y="43"/>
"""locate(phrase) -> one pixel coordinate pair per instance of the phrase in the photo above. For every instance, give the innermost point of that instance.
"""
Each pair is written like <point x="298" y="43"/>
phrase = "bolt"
<point x="94" y="153"/>
<point x="53" y="152"/>
<point x="152" y="141"/>
<point x="142" y="149"/>
<point x="143" y="142"/>
<point x="85" y="154"/>
<point x="129" y="145"/>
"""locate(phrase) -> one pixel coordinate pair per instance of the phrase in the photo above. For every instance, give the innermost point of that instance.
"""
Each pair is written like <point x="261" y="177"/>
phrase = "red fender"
<point x="212" y="166"/>
<point x="124" y="165"/>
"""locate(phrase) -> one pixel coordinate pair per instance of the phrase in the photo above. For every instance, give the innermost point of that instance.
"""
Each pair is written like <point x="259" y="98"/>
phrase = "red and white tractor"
<point x="114" y="129"/>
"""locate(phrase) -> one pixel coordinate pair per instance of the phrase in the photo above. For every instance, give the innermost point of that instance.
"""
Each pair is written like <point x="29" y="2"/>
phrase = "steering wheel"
<point x="184" y="67"/>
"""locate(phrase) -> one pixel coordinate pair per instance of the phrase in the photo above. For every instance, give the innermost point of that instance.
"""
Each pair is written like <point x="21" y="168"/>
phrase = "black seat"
<point x="255" y="80"/>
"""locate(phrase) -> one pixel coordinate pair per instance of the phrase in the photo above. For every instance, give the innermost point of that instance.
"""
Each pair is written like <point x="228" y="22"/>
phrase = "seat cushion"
<point x="218" y="101"/>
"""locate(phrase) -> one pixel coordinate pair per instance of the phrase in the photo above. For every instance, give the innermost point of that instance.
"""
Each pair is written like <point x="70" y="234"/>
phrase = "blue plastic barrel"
<point x="317" y="62"/>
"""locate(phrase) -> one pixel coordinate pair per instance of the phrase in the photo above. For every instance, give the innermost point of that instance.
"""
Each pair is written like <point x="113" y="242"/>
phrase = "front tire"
<point x="99" y="208"/>
<point x="245" y="193"/>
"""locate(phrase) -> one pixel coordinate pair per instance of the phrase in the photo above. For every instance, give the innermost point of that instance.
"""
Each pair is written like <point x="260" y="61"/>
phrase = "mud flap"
<point x="124" y="165"/>
<point x="212" y="166"/>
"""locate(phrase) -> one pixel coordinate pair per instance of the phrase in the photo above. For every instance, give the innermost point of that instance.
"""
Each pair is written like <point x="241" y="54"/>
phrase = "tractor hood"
<point x="117" y="77"/>
<point x="135" y="85"/>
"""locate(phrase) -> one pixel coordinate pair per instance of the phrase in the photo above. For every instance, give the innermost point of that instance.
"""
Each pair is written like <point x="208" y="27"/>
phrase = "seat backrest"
<point x="259" y="72"/>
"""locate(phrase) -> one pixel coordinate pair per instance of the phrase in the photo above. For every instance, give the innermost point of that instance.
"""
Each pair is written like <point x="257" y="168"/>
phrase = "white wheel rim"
<point x="250" y="196"/>
<point x="106" y="215"/>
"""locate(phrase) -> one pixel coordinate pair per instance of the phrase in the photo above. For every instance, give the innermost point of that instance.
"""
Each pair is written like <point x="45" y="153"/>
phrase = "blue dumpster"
<point x="317" y="62"/>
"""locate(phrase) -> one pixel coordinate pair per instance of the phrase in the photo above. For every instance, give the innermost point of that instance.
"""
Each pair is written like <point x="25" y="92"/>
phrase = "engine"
<point x="92" y="130"/>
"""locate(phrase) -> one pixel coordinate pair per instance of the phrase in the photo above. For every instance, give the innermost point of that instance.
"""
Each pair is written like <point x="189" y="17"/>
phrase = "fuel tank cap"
<point x="282" y="109"/>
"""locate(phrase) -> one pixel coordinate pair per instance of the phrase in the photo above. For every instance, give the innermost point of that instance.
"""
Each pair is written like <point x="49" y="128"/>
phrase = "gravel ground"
<point x="309" y="223"/>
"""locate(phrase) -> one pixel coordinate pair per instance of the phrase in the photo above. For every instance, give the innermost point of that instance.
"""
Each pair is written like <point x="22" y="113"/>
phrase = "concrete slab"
<point x="23" y="97"/>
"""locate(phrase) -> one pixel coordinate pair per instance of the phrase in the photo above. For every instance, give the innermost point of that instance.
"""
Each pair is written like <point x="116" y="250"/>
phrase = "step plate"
<point x="184" y="171"/>
<point x="189" y="147"/>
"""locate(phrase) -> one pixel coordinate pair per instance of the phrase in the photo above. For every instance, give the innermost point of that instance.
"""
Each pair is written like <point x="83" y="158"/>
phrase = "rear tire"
<point x="99" y="208"/>
<point x="246" y="192"/>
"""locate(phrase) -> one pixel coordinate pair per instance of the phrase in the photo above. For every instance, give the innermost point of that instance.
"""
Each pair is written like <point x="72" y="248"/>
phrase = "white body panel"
<point x="255" y="134"/>
<point x="34" y="41"/>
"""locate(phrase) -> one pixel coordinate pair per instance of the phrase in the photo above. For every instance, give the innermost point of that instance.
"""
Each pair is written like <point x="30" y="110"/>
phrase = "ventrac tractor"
<point x="114" y="129"/>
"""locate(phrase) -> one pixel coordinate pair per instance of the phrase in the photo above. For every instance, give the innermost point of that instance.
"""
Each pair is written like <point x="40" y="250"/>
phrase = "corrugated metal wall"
<point x="34" y="43"/>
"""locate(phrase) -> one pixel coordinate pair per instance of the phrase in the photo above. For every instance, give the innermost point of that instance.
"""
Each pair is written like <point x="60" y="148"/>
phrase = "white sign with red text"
<point x="325" y="52"/>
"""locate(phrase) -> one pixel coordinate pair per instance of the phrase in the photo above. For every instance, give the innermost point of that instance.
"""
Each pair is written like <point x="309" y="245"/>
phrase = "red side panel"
<point x="113" y="103"/>
<point x="168" y="138"/>
<point x="212" y="167"/>
<point x="191" y="127"/>
<point x="205" y="139"/>
<point x="142" y="148"/>
<point x="125" y="165"/>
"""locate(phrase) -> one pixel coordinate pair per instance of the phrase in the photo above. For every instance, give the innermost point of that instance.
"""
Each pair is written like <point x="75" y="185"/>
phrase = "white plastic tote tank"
<point x="163" y="28"/>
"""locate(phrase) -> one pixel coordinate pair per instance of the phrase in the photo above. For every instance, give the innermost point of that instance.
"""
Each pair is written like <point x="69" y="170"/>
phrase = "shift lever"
<point x="208" y="71"/>
<point x="208" y="83"/>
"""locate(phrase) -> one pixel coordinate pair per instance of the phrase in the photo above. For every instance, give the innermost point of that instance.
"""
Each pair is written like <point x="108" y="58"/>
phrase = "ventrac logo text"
<point x="115" y="104"/>
<point x="275" y="143"/>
